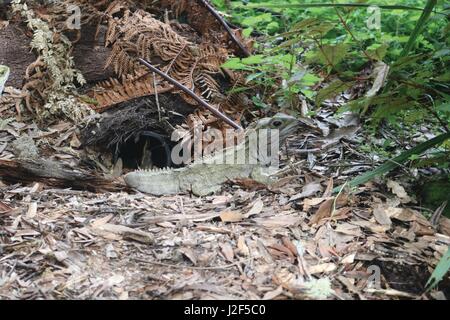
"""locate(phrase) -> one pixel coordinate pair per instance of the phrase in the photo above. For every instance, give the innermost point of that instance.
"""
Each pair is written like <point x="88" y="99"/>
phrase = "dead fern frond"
<point x="112" y="92"/>
<point x="140" y="35"/>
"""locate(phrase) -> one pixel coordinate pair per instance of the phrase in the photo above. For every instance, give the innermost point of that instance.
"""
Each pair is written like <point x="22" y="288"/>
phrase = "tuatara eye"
<point x="277" y="123"/>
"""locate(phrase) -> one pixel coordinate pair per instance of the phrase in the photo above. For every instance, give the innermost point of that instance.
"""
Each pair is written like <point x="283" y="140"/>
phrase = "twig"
<point x="335" y="199"/>
<point x="227" y="27"/>
<point x="157" y="97"/>
<point x="228" y="266"/>
<point x="434" y="220"/>
<point x="183" y="88"/>
<point x="347" y="28"/>
<point x="435" y="114"/>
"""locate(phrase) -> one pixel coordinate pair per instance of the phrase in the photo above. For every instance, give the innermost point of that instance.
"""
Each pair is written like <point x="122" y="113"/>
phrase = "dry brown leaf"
<point x="399" y="191"/>
<point x="308" y="190"/>
<point x="407" y="215"/>
<point x="349" y="229"/>
<point x="231" y="216"/>
<point x="214" y="229"/>
<point x="381" y="217"/>
<point x="322" y="268"/>
<point x="371" y="226"/>
<point x="349" y="259"/>
<point x="242" y="246"/>
<point x="309" y="203"/>
<point x="101" y="221"/>
<point x="249" y="184"/>
<point x="190" y="254"/>
<point x="288" y="244"/>
<point x="4" y="208"/>
<point x="282" y="248"/>
<point x="256" y="208"/>
<point x="32" y="210"/>
<point x="380" y="74"/>
<point x="273" y="294"/>
<point x="422" y="230"/>
<point x="342" y="213"/>
<point x="75" y="142"/>
<point x="126" y="232"/>
<point x="264" y="252"/>
<point x="444" y="226"/>
<point x="350" y="286"/>
<point x="323" y="212"/>
<point x="329" y="190"/>
<point x="278" y="221"/>
<point x="227" y="251"/>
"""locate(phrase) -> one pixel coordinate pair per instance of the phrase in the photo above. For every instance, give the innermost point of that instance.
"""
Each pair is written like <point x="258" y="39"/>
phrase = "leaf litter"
<point x="296" y="241"/>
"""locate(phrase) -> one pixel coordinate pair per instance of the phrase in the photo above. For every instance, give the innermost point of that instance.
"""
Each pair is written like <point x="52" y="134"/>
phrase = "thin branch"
<point x="186" y="90"/>
<point x="177" y="266"/>
<point x="216" y="15"/>
<point x="347" y="28"/>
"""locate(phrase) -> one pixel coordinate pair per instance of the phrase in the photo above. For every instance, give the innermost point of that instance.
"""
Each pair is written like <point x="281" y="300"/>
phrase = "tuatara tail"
<point x="157" y="182"/>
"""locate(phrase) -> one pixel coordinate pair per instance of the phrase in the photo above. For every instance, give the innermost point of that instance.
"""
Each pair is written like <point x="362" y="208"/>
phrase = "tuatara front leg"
<point x="264" y="175"/>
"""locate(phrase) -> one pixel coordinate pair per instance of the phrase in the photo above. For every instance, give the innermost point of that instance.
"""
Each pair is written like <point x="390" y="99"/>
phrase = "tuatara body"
<point x="206" y="176"/>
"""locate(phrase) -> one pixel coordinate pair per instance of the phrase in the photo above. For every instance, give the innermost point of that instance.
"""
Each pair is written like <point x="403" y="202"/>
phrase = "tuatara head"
<point x="286" y="124"/>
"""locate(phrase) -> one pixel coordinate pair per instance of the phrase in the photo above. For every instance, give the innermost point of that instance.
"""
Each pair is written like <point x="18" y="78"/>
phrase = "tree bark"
<point x="15" y="53"/>
<point x="89" y="55"/>
<point x="56" y="175"/>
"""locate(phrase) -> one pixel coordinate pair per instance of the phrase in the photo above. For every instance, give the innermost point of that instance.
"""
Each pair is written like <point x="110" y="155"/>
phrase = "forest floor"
<point x="293" y="240"/>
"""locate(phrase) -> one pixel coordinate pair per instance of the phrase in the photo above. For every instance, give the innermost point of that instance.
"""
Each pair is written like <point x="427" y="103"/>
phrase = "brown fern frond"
<point x="138" y="34"/>
<point x="112" y="92"/>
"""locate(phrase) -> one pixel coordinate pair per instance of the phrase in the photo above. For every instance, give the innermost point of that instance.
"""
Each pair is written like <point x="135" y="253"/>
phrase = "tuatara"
<point x="4" y="74"/>
<point x="206" y="176"/>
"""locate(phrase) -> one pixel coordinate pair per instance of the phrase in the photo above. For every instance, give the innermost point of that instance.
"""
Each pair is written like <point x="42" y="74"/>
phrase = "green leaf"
<point x="328" y="55"/>
<point x="444" y="107"/>
<point x="256" y="59"/>
<point x="440" y="271"/>
<point x="273" y="26"/>
<point x="324" y="5"/>
<point x="235" y="64"/>
<point x="397" y="161"/>
<point x="253" y="21"/>
<point x="406" y="61"/>
<point x="310" y="79"/>
<point x="377" y="52"/>
<point x="247" y="32"/>
<point x="419" y="27"/>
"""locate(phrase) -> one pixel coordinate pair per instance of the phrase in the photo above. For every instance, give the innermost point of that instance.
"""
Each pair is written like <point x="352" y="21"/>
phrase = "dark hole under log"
<point x="146" y="151"/>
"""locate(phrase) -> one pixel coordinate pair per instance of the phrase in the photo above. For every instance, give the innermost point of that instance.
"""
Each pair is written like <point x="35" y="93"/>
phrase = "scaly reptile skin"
<point x="4" y="74"/>
<point x="206" y="177"/>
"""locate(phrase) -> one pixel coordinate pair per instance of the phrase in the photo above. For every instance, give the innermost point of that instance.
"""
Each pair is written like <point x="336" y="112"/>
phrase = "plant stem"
<point x="419" y="27"/>
<point x="397" y="161"/>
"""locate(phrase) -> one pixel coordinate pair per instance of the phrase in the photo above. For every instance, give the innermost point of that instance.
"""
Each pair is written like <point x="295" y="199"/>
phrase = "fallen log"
<point x="54" y="174"/>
